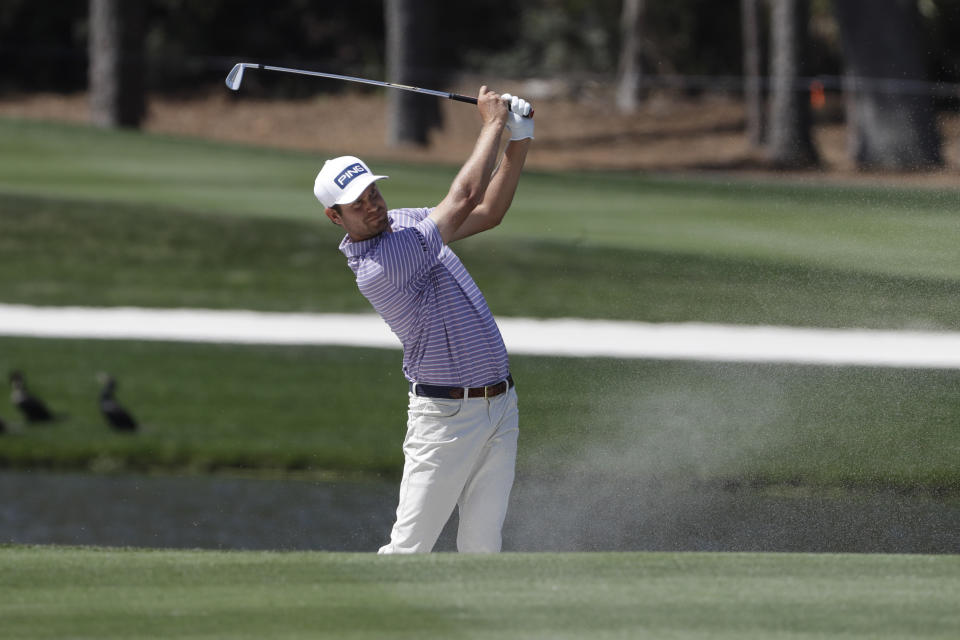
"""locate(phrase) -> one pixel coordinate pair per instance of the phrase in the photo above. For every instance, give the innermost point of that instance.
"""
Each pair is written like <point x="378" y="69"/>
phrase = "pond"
<point x="579" y="514"/>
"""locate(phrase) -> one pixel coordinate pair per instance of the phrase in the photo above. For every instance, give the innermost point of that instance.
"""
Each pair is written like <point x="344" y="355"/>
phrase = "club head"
<point x="235" y="77"/>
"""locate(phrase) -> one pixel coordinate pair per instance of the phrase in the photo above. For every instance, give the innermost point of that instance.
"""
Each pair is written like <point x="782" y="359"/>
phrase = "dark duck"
<point x="116" y="416"/>
<point x="32" y="407"/>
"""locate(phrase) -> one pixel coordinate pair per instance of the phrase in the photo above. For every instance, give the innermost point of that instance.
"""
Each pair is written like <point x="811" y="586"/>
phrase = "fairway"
<point x="887" y="230"/>
<point x="157" y="221"/>
<point x="106" y="593"/>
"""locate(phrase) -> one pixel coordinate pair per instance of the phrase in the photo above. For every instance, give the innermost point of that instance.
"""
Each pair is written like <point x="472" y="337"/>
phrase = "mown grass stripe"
<point x="58" y="592"/>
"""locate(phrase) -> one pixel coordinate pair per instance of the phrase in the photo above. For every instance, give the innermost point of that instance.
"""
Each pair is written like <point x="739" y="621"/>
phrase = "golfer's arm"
<point x="470" y="185"/>
<point x="499" y="195"/>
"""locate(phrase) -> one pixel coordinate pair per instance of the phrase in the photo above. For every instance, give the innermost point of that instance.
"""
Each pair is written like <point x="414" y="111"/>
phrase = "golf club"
<point x="235" y="77"/>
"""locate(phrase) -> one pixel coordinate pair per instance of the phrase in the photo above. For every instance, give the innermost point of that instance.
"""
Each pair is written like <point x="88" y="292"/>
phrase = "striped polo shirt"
<point x="423" y="292"/>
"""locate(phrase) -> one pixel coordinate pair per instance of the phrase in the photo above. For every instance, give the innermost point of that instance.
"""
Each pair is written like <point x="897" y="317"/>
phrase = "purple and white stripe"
<point x="423" y="292"/>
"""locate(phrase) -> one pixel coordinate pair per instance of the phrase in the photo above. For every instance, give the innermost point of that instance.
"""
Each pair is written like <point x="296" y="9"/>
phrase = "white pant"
<point x="457" y="453"/>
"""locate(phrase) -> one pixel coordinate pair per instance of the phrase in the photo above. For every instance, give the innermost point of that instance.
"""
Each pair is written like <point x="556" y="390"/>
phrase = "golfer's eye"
<point x="368" y="199"/>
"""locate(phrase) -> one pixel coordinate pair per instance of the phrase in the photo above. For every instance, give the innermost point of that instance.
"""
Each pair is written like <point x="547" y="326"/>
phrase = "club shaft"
<point x="376" y="83"/>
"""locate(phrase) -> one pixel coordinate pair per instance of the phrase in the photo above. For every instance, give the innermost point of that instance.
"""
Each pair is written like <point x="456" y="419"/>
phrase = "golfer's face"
<point x="366" y="216"/>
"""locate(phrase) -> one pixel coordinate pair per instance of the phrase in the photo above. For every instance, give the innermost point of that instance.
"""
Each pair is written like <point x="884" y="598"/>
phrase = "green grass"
<point x="107" y="593"/>
<point x="206" y="407"/>
<point x="103" y="254"/>
<point x="87" y="164"/>
<point x="342" y="411"/>
<point x="895" y="232"/>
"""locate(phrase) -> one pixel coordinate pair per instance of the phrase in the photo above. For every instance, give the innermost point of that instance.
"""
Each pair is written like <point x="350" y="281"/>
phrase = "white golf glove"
<point x="520" y="126"/>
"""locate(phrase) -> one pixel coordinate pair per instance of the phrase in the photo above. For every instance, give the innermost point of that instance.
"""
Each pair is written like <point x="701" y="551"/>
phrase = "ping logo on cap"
<point x="348" y="174"/>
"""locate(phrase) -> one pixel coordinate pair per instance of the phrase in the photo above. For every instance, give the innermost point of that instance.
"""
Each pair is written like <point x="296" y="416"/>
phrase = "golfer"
<point x="462" y="424"/>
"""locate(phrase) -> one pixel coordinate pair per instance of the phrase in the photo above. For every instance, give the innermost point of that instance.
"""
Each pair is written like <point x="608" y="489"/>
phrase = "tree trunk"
<point x="410" y="26"/>
<point x="890" y="125"/>
<point x="116" y="68"/>
<point x="629" y="69"/>
<point x="791" y="145"/>
<point x="752" y="73"/>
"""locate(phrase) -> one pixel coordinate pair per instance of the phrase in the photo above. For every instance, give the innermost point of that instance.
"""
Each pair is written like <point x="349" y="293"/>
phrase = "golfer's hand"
<point x="491" y="105"/>
<point x="519" y="120"/>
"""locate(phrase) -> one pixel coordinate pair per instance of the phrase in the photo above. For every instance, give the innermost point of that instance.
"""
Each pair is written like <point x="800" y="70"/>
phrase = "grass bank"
<point x="342" y="411"/>
<point x="107" y="593"/>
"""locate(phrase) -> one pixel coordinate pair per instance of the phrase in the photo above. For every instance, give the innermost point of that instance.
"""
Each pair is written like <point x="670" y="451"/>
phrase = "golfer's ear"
<point x="334" y="215"/>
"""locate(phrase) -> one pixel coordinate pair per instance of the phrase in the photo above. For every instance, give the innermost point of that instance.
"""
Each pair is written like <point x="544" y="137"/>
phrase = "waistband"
<point x="456" y="393"/>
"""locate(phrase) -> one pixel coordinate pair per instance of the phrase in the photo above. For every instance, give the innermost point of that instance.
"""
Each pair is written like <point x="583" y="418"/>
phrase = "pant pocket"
<point x="429" y="419"/>
<point x="434" y="407"/>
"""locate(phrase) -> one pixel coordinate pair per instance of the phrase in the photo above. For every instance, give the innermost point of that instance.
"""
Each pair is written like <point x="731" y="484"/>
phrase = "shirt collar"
<point x="353" y="249"/>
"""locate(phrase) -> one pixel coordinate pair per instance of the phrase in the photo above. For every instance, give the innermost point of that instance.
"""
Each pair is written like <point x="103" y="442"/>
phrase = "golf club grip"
<point x="471" y="100"/>
<point x="461" y="98"/>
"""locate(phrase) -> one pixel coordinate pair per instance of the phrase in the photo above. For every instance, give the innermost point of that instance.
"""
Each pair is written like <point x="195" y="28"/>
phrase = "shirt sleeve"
<point x="420" y="214"/>
<point x="403" y="255"/>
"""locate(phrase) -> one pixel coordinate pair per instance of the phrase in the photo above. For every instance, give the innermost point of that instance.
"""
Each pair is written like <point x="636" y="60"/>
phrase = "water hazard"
<point x="593" y="515"/>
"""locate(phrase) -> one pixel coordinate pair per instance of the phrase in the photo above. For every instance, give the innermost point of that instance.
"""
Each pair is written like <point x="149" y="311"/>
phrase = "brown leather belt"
<point x="456" y="393"/>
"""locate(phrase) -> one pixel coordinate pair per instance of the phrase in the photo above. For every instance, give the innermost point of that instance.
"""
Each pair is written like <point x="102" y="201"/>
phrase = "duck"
<point x="32" y="407"/>
<point x="116" y="416"/>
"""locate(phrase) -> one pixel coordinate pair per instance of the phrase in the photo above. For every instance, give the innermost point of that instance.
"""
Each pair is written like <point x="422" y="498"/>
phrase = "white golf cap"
<point x="342" y="180"/>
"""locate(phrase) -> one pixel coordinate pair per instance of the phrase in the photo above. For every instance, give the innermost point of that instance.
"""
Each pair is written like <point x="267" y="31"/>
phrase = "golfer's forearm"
<point x="471" y="182"/>
<point x="503" y="185"/>
<point x="470" y="185"/>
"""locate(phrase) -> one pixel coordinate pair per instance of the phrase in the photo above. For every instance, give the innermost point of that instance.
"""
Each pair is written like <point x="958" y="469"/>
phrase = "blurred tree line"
<point x="767" y="48"/>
